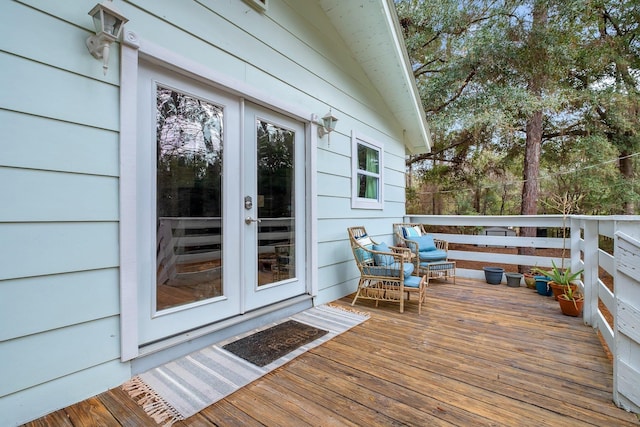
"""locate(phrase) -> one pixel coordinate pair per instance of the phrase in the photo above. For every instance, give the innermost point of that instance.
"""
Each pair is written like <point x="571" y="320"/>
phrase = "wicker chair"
<point x="438" y="253"/>
<point x="385" y="274"/>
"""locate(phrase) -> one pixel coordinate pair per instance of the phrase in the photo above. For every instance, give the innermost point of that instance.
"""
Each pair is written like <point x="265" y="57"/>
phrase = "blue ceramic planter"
<point x="541" y="286"/>
<point x="493" y="275"/>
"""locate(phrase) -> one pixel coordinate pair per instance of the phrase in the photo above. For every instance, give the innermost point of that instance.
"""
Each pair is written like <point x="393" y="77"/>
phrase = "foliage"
<point x="571" y="295"/>
<point x="558" y="275"/>
<point x="484" y="68"/>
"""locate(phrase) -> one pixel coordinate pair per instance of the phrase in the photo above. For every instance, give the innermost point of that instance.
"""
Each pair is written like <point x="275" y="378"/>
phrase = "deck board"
<point x="478" y="355"/>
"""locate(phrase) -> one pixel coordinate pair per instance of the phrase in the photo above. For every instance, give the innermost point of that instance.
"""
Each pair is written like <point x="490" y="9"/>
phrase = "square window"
<point x="367" y="183"/>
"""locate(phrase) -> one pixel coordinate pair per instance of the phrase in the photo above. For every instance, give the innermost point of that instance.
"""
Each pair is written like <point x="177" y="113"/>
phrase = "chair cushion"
<point x="409" y="232"/>
<point x="389" y="270"/>
<point x="412" y="281"/>
<point x="379" y="259"/>
<point x="364" y="240"/>
<point x="364" y="256"/>
<point x="425" y="243"/>
<point x="431" y="256"/>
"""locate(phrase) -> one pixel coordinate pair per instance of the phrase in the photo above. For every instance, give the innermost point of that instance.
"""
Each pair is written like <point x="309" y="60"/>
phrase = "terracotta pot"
<point x="559" y="289"/>
<point x="570" y="307"/>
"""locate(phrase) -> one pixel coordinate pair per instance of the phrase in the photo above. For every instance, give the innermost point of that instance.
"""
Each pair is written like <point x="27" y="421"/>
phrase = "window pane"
<point x="368" y="159"/>
<point x="367" y="187"/>
<point x="189" y="139"/>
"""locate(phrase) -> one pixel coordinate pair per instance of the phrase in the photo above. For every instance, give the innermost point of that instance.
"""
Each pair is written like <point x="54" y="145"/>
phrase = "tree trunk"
<point x="531" y="186"/>
<point x="626" y="169"/>
<point x="531" y="170"/>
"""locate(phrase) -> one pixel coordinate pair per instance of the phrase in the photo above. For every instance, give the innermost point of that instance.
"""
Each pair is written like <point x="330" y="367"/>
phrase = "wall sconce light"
<point x="108" y="23"/>
<point x="327" y="125"/>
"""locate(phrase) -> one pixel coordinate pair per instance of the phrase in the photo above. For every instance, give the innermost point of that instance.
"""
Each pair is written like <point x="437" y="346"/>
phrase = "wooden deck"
<point x="479" y="355"/>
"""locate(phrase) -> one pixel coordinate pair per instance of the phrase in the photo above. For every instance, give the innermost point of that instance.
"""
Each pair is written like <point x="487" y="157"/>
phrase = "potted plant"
<point x="560" y="280"/>
<point x="529" y="280"/>
<point x="571" y="302"/>
<point x="542" y="285"/>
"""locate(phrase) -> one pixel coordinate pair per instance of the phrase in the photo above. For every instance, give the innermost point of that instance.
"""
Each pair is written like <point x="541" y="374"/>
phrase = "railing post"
<point x="576" y="264"/>
<point x="626" y="362"/>
<point x="590" y="311"/>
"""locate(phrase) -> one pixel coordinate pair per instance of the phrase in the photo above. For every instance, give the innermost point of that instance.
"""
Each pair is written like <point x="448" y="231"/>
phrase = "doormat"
<point x="185" y="386"/>
<point x="264" y="347"/>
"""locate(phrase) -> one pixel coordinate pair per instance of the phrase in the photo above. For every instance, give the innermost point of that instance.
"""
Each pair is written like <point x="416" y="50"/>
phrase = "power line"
<point x="522" y="181"/>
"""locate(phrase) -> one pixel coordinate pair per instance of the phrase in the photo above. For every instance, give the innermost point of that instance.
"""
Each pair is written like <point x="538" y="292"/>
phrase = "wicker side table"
<point x="438" y="270"/>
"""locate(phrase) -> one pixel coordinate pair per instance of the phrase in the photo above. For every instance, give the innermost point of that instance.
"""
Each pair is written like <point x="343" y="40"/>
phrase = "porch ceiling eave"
<point x="370" y="28"/>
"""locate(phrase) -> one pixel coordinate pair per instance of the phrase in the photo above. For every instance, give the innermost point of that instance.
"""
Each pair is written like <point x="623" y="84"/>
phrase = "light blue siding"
<point x="52" y="302"/>
<point x="334" y="185"/>
<point x="58" y="43"/>
<point x="67" y="196"/>
<point x="60" y="167"/>
<point x="60" y="95"/>
<point x="35" y="249"/>
<point x="39" y="143"/>
<point x="37" y="401"/>
<point x="39" y="358"/>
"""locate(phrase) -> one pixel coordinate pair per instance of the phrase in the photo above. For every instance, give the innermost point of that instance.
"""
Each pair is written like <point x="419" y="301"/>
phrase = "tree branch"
<point x="456" y="95"/>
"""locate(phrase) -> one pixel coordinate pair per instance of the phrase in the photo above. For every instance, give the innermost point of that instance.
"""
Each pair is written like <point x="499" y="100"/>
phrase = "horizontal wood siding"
<point x="290" y="55"/>
<point x="39" y="249"/>
<point x="65" y="195"/>
<point x="59" y="287"/>
<point x="38" y="358"/>
<point x="37" y="401"/>
<point x="61" y="121"/>
<point x="79" y="297"/>
<point x="95" y="151"/>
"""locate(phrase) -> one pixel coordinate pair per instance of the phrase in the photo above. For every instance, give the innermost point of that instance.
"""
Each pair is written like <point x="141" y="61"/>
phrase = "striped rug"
<point x="183" y="387"/>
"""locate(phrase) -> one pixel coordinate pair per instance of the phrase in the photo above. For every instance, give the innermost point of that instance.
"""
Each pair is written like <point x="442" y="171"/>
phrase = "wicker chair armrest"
<point x="412" y="246"/>
<point x="441" y="244"/>
<point x="401" y="250"/>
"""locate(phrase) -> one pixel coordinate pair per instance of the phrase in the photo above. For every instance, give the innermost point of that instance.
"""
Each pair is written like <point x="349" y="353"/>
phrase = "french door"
<point x="273" y="207"/>
<point x="220" y="205"/>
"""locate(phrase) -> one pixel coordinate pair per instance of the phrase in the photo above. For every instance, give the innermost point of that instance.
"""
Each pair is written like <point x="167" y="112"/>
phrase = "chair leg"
<point x="355" y="298"/>
<point x="357" y="293"/>
<point x="423" y="293"/>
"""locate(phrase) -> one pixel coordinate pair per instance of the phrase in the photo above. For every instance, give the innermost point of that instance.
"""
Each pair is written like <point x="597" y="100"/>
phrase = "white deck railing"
<point x="586" y="250"/>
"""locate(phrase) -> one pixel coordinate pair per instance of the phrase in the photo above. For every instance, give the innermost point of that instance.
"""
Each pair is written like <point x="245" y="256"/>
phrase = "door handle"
<point x="248" y="220"/>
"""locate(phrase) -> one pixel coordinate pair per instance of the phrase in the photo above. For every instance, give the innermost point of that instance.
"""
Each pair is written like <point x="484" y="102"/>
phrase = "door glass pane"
<point x="276" y="207"/>
<point x="189" y="138"/>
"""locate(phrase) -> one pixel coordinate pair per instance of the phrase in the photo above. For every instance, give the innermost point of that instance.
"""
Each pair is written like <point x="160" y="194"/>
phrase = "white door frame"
<point x="130" y="265"/>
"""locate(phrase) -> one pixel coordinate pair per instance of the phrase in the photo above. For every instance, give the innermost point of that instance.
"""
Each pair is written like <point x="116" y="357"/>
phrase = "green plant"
<point x="572" y="295"/>
<point x="558" y="275"/>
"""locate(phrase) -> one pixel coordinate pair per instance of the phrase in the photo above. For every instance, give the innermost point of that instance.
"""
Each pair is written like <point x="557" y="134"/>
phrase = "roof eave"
<point x="385" y="61"/>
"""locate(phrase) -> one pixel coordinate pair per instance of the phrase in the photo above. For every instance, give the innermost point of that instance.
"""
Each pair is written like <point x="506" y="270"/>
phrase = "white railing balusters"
<point x="623" y="303"/>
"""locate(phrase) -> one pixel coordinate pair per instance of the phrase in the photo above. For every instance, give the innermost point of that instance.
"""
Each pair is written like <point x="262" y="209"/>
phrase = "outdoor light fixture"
<point x="108" y="23"/>
<point x="327" y="125"/>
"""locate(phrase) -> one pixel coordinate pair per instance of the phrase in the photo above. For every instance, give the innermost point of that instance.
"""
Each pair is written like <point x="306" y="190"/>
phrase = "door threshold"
<point x="160" y="352"/>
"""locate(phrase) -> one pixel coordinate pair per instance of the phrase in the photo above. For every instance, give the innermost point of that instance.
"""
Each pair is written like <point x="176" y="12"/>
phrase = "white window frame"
<point x="361" y="202"/>
<point x="260" y="5"/>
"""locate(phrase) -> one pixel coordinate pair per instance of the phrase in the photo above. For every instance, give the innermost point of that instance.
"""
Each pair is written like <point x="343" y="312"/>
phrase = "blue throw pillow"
<point x="379" y="259"/>
<point x="411" y="232"/>
<point x="425" y="243"/>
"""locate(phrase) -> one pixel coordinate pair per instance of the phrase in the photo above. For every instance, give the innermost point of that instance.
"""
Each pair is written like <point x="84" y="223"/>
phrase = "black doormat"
<point x="268" y="345"/>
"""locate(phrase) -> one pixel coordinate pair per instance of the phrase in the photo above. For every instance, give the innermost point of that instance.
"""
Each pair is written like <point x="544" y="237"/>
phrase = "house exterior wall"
<point x="59" y="169"/>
